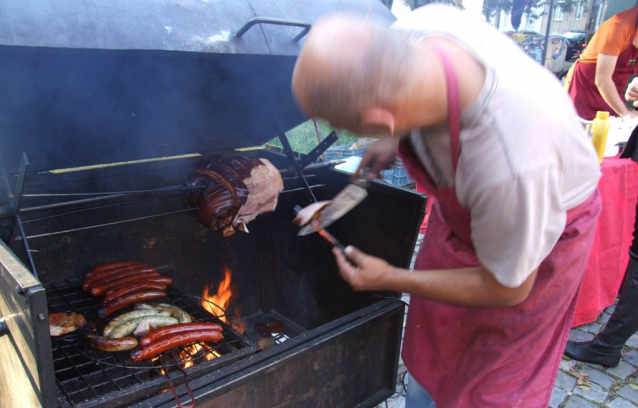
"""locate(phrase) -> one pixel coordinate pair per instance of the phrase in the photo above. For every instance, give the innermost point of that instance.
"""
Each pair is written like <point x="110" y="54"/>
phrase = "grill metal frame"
<point x="85" y="377"/>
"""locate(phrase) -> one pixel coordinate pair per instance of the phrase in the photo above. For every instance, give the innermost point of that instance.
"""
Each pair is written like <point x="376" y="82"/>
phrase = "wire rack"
<point x="87" y="376"/>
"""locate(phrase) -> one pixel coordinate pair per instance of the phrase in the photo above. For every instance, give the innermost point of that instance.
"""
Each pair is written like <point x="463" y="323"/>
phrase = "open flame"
<point x="219" y="302"/>
<point x="216" y="304"/>
<point x="194" y="351"/>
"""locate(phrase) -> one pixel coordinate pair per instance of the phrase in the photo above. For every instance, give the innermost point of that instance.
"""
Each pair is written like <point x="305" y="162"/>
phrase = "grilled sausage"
<point x="130" y="299"/>
<point x="105" y="267"/>
<point x="108" y="344"/>
<point x="175" y="311"/>
<point x="125" y="317"/>
<point x="100" y="289"/>
<point x="175" y="340"/>
<point x="128" y="327"/>
<point x="158" y="334"/>
<point x="143" y="283"/>
<point x="119" y="274"/>
<point x="88" y="282"/>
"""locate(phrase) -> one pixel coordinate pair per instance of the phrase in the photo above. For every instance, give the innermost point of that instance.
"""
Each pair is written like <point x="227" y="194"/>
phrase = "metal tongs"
<point x="317" y="216"/>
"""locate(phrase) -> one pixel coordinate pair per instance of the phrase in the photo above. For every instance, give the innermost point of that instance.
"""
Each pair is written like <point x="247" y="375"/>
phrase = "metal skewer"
<point x="142" y="218"/>
<point x="108" y="224"/>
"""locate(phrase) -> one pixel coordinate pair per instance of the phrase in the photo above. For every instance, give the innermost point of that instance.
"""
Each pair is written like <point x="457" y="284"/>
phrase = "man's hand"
<point x="471" y="286"/>
<point x="363" y="272"/>
<point x="380" y="155"/>
<point x="632" y="92"/>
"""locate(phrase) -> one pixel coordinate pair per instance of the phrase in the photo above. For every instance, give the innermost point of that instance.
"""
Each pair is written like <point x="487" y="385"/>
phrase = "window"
<point x="558" y="11"/>
<point x="579" y="10"/>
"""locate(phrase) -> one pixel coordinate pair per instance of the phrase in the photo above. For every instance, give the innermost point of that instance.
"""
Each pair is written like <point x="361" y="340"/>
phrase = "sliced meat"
<point x="63" y="323"/>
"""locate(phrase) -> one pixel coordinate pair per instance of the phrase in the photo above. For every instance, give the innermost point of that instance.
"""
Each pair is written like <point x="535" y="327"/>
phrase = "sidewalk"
<point x="578" y="385"/>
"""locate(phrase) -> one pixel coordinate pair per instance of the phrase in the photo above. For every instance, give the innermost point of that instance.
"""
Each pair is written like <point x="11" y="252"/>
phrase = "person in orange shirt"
<point x="599" y="77"/>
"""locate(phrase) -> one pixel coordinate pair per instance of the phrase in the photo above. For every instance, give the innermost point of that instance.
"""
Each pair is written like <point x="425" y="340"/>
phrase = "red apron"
<point x="584" y="92"/>
<point x="490" y="357"/>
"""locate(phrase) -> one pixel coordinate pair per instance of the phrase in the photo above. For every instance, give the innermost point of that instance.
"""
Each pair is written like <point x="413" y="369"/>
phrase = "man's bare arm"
<point x="605" y="66"/>
<point x="474" y="286"/>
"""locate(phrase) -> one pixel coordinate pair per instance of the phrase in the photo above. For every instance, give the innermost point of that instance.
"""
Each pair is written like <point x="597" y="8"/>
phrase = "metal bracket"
<point x="294" y="164"/>
<point x="15" y="200"/>
<point x="319" y="150"/>
<point x="275" y="21"/>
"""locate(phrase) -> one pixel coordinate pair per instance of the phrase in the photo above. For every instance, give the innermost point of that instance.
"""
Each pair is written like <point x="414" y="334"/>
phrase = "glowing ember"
<point x="193" y="351"/>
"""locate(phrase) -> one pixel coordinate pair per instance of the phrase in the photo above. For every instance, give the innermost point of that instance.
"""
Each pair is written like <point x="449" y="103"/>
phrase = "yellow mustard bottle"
<point x="599" y="130"/>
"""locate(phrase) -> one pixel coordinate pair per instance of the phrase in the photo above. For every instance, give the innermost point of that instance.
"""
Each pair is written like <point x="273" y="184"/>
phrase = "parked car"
<point x="530" y="41"/>
<point x="578" y="41"/>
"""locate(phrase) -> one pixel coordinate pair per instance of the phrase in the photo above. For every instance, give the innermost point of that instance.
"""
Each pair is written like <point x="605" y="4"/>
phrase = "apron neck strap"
<point x="453" y="106"/>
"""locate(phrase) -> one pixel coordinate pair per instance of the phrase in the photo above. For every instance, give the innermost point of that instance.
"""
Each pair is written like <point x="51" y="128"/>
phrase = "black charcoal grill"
<point x="105" y="108"/>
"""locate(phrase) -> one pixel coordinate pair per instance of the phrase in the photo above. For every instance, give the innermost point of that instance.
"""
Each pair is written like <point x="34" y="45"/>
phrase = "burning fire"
<point x="221" y="301"/>
<point x="193" y="351"/>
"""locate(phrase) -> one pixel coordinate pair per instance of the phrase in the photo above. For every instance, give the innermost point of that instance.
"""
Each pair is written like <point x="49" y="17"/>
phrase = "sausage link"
<point x="100" y="289"/>
<point x="175" y="340"/>
<point x="129" y="327"/>
<point x="158" y="334"/>
<point x="125" y="317"/>
<point x="130" y="299"/>
<point x="96" y="270"/>
<point x="90" y="281"/>
<point x="108" y="344"/>
<point x="119" y="274"/>
<point x="120" y="290"/>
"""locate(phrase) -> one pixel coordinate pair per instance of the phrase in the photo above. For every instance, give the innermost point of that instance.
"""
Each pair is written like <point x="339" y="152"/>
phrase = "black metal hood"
<point x="90" y="82"/>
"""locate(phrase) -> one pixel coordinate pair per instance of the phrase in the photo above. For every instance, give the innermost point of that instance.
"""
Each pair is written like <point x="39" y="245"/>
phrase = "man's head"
<point x="354" y="73"/>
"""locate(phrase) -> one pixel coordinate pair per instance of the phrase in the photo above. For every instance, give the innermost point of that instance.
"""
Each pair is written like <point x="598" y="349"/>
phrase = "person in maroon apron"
<point x="469" y="341"/>
<point x="599" y="78"/>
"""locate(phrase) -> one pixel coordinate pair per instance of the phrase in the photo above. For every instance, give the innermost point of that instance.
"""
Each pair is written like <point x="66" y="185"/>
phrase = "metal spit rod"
<point x="6" y="211"/>
<point x="139" y="218"/>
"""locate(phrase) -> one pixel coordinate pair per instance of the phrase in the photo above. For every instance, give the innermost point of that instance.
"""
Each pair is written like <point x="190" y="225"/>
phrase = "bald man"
<point x="492" y="135"/>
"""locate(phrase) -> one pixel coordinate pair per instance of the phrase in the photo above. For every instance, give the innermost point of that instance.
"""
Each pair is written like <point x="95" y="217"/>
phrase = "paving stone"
<point x="604" y="318"/>
<point x="577" y="402"/>
<point x="610" y="309"/>
<point x="566" y="365"/>
<point x="394" y="402"/>
<point x="565" y="381"/>
<point x="591" y="327"/>
<point x="598" y="377"/>
<point x="620" y="403"/>
<point x="595" y="393"/>
<point x="558" y="396"/>
<point x="631" y="357"/>
<point x="633" y="341"/>
<point x="629" y="393"/>
<point x="580" y="335"/>
<point x="622" y="370"/>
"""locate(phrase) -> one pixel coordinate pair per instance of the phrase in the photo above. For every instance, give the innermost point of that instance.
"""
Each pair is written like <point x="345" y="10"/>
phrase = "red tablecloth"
<point x="609" y="256"/>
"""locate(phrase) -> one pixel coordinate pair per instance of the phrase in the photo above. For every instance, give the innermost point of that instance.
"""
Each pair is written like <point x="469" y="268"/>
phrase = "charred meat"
<point x="237" y="189"/>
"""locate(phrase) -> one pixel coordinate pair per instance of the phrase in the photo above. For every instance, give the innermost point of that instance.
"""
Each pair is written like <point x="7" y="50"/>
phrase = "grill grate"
<point x="86" y="376"/>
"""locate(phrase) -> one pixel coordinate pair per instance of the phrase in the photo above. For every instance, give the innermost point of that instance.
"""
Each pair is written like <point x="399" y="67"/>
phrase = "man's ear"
<point x="377" y="120"/>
